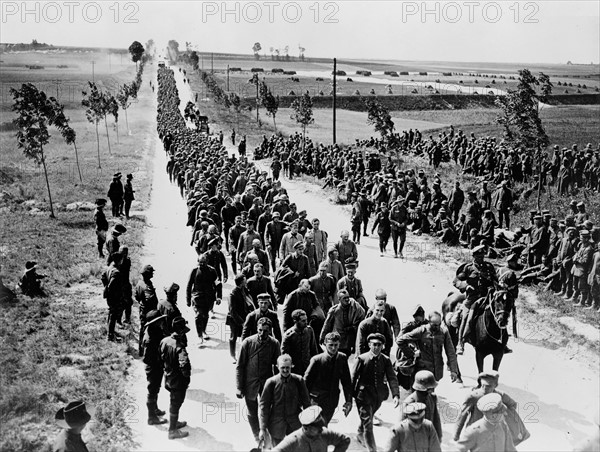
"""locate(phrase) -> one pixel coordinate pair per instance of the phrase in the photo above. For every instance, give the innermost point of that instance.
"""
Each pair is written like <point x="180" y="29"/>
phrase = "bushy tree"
<point x="36" y="111"/>
<point x="520" y="111"/>
<point x="61" y="122"/>
<point x="303" y="113"/>
<point x="379" y="117"/>
<point x="136" y="49"/>
<point x="194" y="59"/>
<point x="94" y="112"/>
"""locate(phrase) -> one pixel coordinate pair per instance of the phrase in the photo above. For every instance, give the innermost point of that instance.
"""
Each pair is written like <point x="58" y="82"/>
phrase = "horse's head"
<point x="502" y="303"/>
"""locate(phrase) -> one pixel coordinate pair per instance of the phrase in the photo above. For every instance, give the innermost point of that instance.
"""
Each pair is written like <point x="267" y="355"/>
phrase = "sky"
<point x="470" y="31"/>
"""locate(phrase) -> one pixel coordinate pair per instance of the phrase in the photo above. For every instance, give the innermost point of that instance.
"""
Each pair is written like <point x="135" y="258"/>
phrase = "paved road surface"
<point x="555" y="392"/>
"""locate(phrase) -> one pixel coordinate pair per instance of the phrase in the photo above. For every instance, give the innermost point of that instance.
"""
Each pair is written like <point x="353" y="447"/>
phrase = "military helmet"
<point x="424" y="380"/>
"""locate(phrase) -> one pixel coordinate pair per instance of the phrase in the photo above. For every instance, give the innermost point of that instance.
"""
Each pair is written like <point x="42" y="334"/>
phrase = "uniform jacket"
<point x="255" y="365"/>
<point x="178" y="369"/>
<point x="324" y="375"/>
<point x="484" y="436"/>
<point x="372" y="325"/>
<point x="297" y="264"/>
<point x="100" y="220"/>
<point x="335" y="269"/>
<point x="257" y="286"/>
<point x="353" y="286"/>
<point x="431" y="412"/>
<point x="582" y="261"/>
<point x="430" y="344"/>
<point x="240" y="305"/>
<point x="298" y="300"/>
<point x="320" y="238"/>
<point x="251" y="324"/>
<point x="347" y="251"/>
<point x="282" y="399"/>
<point x="469" y="413"/>
<point x="201" y="287"/>
<point x="368" y="379"/>
<point x="113" y="286"/>
<point x="324" y="289"/>
<point x="301" y="345"/>
<point x="171" y="310"/>
<point x="345" y="322"/>
<point x="69" y="441"/>
<point x="391" y="315"/>
<point x="151" y="348"/>
<point x="404" y="439"/>
<point x="287" y="243"/>
<point x="274" y="234"/>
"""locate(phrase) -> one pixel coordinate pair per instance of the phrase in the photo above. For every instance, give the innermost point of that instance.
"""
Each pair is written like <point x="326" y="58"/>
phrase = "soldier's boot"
<point x="232" y="350"/>
<point x="460" y="346"/>
<point x="174" y="432"/>
<point x="153" y="418"/>
<point x="595" y="304"/>
<point x="578" y="300"/>
<point x="370" y="440"/>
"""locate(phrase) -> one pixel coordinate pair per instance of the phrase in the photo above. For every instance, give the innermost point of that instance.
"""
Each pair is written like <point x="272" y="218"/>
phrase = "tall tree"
<point x="94" y="110"/>
<point x="520" y="108"/>
<point x="124" y="97"/>
<point x="62" y="123"/>
<point x="303" y="114"/>
<point x="136" y="49"/>
<point x="256" y="48"/>
<point x="379" y="117"/>
<point x="269" y="101"/>
<point x="173" y="47"/>
<point x="194" y="59"/>
<point x="112" y="107"/>
<point x="35" y="114"/>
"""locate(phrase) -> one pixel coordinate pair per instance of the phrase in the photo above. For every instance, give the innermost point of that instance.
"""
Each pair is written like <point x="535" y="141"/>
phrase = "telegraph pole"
<point x="257" y="104"/>
<point x="93" y="63"/>
<point x="228" y="78"/>
<point x="57" y="82"/>
<point x="334" y="96"/>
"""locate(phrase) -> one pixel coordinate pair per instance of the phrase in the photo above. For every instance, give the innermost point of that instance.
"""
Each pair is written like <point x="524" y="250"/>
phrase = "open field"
<point x="351" y="125"/>
<point x="55" y="349"/>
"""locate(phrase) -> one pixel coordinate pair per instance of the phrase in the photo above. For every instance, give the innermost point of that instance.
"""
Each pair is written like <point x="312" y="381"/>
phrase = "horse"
<point x="489" y="333"/>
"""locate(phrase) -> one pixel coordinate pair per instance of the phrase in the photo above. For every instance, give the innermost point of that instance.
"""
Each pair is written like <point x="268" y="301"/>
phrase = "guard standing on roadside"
<point x="145" y="294"/>
<point x="115" y="194"/>
<point x="153" y="335"/>
<point x="128" y="195"/>
<point x="113" y="244"/>
<point x="125" y="268"/>
<point x="101" y="225"/>
<point x="202" y="293"/>
<point x="178" y="371"/>
<point x="73" y="418"/>
<point x="113" y="292"/>
<point x="169" y="306"/>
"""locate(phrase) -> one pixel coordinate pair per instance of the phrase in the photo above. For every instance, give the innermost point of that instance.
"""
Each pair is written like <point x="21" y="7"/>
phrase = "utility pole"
<point x="257" y="104"/>
<point x="227" y="78"/>
<point x="93" y="63"/>
<point x="57" y="82"/>
<point x="334" y="96"/>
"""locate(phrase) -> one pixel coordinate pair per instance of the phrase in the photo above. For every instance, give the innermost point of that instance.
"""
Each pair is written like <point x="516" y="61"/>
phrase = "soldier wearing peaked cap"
<point x="490" y="433"/>
<point x="372" y="374"/>
<point x="153" y="335"/>
<point x="474" y="279"/>
<point x="312" y="436"/>
<point x="101" y="225"/>
<point x="168" y="307"/>
<point x="415" y="433"/>
<point x="115" y="194"/>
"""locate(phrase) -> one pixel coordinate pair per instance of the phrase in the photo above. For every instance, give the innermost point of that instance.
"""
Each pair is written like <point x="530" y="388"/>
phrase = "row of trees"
<point x="36" y="112"/>
<point x="278" y="54"/>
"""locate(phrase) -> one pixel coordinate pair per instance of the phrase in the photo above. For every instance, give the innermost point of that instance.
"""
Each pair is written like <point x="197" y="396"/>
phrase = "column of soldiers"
<point x="290" y="375"/>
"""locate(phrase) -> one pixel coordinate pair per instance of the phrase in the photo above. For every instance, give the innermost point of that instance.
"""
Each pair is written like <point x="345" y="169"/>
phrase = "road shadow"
<point x="202" y="440"/>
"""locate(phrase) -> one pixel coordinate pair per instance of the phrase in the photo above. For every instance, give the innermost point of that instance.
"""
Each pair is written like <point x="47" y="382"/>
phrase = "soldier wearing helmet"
<point x="424" y="387"/>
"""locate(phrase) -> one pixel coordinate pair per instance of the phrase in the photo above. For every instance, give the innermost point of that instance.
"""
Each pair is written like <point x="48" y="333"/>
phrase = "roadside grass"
<point x="50" y="354"/>
<point x="54" y="350"/>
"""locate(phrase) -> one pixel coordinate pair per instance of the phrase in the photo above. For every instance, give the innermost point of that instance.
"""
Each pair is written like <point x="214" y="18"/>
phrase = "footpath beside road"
<point x="555" y="392"/>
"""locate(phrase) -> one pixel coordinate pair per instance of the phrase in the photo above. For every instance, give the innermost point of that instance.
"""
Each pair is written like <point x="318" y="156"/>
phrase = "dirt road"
<point x="555" y="391"/>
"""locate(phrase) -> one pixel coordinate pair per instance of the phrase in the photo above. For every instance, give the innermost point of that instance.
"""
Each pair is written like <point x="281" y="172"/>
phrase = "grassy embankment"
<point x="54" y="350"/>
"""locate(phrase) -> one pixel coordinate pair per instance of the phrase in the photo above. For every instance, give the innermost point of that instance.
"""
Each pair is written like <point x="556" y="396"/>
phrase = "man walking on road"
<point x="323" y="377"/>
<point x="202" y="293"/>
<point x="299" y="342"/>
<point x="370" y="387"/>
<point x="282" y="399"/>
<point x="255" y="365"/>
